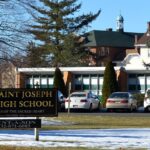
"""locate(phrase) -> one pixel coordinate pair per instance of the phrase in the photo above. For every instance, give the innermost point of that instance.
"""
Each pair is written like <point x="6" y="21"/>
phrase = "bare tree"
<point x="14" y="17"/>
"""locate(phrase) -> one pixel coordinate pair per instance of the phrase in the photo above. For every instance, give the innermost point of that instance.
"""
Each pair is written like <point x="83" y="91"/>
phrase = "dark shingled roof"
<point x="96" y="38"/>
<point x="145" y="39"/>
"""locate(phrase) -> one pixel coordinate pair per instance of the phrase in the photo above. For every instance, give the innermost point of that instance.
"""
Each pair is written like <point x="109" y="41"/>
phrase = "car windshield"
<point x="119" y="95"/>
<point x="78" y="95"/>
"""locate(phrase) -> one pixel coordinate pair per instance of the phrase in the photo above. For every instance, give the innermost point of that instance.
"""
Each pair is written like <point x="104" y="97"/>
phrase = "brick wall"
<point x="20" y="80"/>
<point x="7" y="75"/>
<point x="122" y="80"/>
<point x="130" y="51"/>
<point x="105" y="54"/>
<point x="67" y="78"/>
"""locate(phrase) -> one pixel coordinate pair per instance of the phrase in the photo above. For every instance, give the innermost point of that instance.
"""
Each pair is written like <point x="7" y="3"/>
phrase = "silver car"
<point x="121" y="100"/>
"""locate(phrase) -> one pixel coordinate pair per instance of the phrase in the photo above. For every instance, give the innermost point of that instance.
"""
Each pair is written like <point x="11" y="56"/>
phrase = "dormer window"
<point x="104" y="51"/>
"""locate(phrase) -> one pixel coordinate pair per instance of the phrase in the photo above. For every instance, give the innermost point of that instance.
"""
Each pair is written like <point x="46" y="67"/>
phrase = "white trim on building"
<point x="74" y="70"/>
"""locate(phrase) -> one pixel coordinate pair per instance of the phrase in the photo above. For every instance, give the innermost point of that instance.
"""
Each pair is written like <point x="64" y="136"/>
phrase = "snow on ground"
<point x="46" y="122"/>
<point x="92" y="138"/>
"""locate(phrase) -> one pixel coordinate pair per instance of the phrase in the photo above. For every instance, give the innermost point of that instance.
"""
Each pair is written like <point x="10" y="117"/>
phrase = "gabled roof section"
<point x="145" y="39"/>
<point x="133" y="59"/>
<point x="110" y="38"/>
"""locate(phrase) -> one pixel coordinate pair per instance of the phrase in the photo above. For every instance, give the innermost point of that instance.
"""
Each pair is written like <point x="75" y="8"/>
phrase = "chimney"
<point x="109" y="29"/>
<point x="148" y="29"/>
<point x="148" y="26"/>
<point x="136" y="38"/>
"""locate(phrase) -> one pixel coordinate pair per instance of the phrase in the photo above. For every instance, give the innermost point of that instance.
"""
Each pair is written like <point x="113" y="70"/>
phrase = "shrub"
<point x="59" y="82"/>
<point x="110" y="82"/>
<point x="140" y="98"/>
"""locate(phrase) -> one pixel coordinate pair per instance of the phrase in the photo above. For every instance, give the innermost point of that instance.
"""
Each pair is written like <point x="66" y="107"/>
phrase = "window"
<point x="89" y="95"/>
<point x="94" y="81"/>
<point x="141" y="82"/>
<point x="132" y="75"/>
<point x="107" y="51"/>
<point x="86" y="82"/>
<point x="29" y="82"/>
<point x="132" y="87"/>
<point x="132" y="81"/>
<point x="78" y="95"/>
<point x="78" y="82"/>
<point x="148" y="81"/>
<point x="44" y="82"/>
<point x="101" y="82"/>
<point x="136" y="82"/>
<point x="50" y="82"/>
<point x="103" y="51"/>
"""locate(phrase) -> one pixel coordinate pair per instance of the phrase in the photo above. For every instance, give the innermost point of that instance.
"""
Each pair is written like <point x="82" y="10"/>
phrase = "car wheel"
<point x="99" y="107"/>
<point x="145" y="110"/>
<point x="148" y="109"/>
<point x="130" y="109"/>
<point x="90" y="108"/>
<point x="109" y="110"/>
<point x="135" y="109"/>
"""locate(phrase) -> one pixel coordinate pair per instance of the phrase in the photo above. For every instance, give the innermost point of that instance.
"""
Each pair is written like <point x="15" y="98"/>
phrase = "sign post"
<point x="36" y="132"/>
<point x="69" y="91"/>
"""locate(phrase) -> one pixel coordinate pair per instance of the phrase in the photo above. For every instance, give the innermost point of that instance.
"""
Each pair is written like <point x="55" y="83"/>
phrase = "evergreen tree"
<point x="59" y="82"/>
<point x="57" y="28"/>
<point x="110" y="83"/>
<point x="35" y="56"/>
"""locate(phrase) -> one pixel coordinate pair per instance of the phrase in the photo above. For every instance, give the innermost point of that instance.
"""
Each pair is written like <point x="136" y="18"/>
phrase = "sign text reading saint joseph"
<point x="28" y="102"/>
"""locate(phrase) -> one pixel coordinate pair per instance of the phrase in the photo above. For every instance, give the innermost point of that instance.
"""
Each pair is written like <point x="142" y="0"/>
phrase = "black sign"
<point x="28" y="102"/>
<point x="20" y="123"/>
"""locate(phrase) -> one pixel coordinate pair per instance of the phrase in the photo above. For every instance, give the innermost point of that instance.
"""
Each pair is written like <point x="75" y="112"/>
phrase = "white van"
<point x="147" y="101"/>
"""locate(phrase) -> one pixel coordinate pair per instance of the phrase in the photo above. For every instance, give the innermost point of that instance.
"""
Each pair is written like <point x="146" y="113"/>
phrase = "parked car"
<point x="121" y="100"/>
<point x="83" y="100"/>
<point x="147" y="101"/>
<point x="61" y="101"/>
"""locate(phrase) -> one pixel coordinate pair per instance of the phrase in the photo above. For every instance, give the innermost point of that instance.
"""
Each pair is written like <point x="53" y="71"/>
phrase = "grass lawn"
<point x="85" y="121"/>
<point x="99" y="122"/>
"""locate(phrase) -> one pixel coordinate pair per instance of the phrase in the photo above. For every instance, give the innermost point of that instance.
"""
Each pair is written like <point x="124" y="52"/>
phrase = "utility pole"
<point x="36" y="130"/>
<point x="69" y="90"/>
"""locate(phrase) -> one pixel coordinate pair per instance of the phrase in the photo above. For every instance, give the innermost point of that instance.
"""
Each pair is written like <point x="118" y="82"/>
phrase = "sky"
<point x="136" y="13"/>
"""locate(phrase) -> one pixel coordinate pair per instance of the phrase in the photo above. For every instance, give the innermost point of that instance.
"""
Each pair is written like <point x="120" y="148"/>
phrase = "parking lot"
<point x="139" y="113"/>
